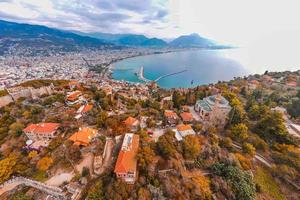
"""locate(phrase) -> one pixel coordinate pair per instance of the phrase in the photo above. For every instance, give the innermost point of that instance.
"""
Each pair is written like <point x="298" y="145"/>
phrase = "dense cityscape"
<point x="129" y="100"/>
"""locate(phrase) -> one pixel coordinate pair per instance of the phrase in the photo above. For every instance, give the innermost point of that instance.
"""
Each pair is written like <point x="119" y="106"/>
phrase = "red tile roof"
<point x="183" y="127"/>
<point x="130" y="121"/>
<point x="87" y="108"/>
<point x="127" y="160"/>
<point x="170" y="113"/>
<point x="42" y="128"/>
<point x="186" y="116"/>
<point x="74" y="96"/>
<point x="83" y="136"/>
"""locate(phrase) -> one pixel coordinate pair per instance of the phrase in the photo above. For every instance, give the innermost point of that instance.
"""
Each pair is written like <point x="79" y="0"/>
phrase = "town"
<point x="70" y="138"/>
<point x="15" y="69"/>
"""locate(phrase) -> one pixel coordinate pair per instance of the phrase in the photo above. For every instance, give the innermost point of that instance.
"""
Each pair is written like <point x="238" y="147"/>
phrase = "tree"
<point x="101" y="120"/>
<point x="294" y="108"/>
<point x="44" y="163"/>
<point x="203" y="186"/>
<point x="32" y="154"/>
<point x="239" y="132"/>
<point x="242" y="183"/>
<point x="96" y="192"/>
<point x="244" y="161"/>
<point x="166" y="144"/>
<point x="85" y="172"/>
<point x="145" y="156"/>
<point x="249" y="149"/>
<point x="272" y="129"/>
<point x="7" y="167"/>
<point x="73" y="153"/>
<point x="16" y="128"/>
<point x="191" y="146"/>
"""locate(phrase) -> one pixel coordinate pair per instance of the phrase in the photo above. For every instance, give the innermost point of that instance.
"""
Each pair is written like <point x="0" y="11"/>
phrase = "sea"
<point x="200" y="67"/>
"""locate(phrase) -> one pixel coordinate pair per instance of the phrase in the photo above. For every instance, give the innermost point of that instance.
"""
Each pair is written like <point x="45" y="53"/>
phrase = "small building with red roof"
<point x="171" y="116"/>
<point x="84" y="136"/>
<point x="41" y="131"/>
<point x="186" y="117"/>
<point x="132" y="123"/>
<point x="126" y="165"/>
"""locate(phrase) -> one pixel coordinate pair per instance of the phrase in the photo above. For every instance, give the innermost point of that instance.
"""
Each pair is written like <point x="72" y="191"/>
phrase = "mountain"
<point x="126" y="39"/>
<point x="154" y="42"/>
<point x="193" y="40"/>
<point x="39" y="38"/>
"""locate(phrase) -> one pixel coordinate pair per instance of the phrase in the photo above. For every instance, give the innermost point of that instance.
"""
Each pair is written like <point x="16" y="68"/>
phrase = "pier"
<point x="141" y="76"/>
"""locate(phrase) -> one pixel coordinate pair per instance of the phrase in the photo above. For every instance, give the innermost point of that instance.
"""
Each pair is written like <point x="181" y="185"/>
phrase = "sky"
<point x="236" y="22"/>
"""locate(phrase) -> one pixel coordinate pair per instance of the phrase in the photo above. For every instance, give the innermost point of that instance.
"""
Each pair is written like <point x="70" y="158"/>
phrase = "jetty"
<point x="141" y="76"/>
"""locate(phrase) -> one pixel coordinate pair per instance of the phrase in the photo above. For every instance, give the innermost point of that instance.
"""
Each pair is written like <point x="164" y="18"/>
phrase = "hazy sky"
<point x="239" y="22"/>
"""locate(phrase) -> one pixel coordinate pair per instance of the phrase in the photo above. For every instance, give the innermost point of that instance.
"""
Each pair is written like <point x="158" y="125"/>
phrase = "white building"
<point x="213" y="109"/>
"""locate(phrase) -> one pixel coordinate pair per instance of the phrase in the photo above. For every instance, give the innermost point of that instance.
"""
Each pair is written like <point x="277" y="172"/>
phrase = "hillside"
<point x="39" y="38"/>
<point x="193" y="40"/>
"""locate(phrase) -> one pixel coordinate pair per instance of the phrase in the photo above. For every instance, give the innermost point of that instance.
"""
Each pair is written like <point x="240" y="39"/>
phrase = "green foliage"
<point x="20" y="196"/>
<point x="85" y="172"/>
<point x="257" y="111"/>
<point x="165" y="144"/>
<point x="178" y="99"/>
<point x="293" y="109"/>
<point x="288" y="155"/>
<point x="241" y="182"/>
<point x="16" y="128"/>
<point x="249" y="149"/>
<point x="267" y="184"/>
<point x="191" y="146"/>
<point x="272" y="129"/>
<point x="239" y="132"/>
<point x="101" y="119"/>
<point x="96" y="192"/>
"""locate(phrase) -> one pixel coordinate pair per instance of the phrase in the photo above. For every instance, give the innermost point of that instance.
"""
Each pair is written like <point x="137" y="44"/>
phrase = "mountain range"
<point x="20" y="35"/>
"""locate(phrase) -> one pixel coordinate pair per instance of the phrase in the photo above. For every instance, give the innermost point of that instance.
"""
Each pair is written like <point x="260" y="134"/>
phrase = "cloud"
<point x="89" y="15"/>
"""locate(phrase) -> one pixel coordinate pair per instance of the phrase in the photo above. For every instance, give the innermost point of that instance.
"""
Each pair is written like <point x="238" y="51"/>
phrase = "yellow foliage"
<point x="44" y="163"/>
<point x="244" y="161"/>
<point x="6" y="167"/>
<point x="32" y="154"/>
<point x="203" y="185"/>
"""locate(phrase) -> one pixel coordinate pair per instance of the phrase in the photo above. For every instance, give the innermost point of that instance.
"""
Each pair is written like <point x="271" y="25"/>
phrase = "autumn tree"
<point x="239" y="132"/>
<point x="96" y="192"/>
<point x="16" y="128"/>
<point x="44" y="163"/>
<point x="249" y="149"/>
<point x="191" y="146"/>
<point x="145" y="156"/>
<point x="202" y="184"/>
<point x="7" y="167"/>
<point x="166" y="145"/>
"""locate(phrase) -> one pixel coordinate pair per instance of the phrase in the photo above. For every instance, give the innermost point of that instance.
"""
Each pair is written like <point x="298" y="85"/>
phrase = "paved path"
<point x="60" y="178"/>
<point x="257" y="156"/>
<point x="107" y="156"/>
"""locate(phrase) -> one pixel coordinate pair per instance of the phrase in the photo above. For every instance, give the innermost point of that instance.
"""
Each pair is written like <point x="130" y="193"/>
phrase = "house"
<point x="41" y="131"/>
<point x="127" y="162"/>
<point x="186" y="117"/>
<point x="213" y="110"/>
<point x="73" y="84"/>
<point x="183" y="130"/>
<point x="171" y="116"/>
<point x="253" y="84"/>
<point x="83" y="110"/>
<point x="74" y="98"/>
<point x="84" y="136"/>
<point x="132" y="123"/>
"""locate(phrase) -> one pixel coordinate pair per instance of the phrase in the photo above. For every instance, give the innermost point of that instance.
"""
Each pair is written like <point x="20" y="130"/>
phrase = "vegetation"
<point x="267" y="184"/>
